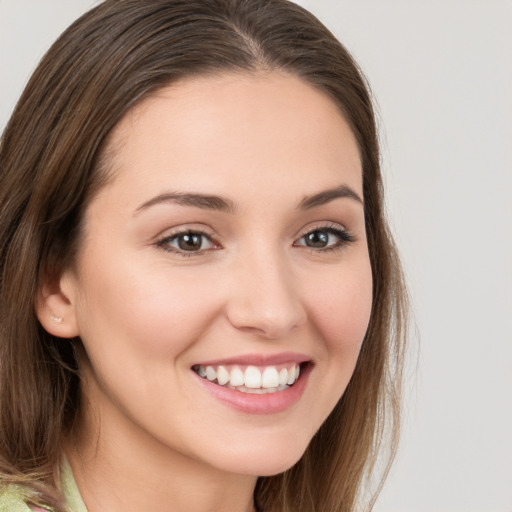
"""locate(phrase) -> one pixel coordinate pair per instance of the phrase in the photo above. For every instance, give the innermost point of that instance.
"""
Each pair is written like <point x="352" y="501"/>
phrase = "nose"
<point x="263" y="297"/>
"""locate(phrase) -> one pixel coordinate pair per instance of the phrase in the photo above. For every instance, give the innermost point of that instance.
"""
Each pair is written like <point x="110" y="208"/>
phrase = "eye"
<point x="187" y="242"/>
<point x="325" y="238"/>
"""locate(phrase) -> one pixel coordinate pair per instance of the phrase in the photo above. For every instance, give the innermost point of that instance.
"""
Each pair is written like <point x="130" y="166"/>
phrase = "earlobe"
<point x="56" y="308"/>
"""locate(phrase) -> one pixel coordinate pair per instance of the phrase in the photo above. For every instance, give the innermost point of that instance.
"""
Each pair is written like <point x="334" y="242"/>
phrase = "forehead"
<point x="212" y="130"/>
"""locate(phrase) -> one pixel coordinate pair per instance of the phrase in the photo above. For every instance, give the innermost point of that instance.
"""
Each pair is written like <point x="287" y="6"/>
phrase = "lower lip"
<point x="251" y="403"/>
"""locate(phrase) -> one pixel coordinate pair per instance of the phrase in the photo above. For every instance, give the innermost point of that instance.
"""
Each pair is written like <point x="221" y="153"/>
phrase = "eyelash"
<point x="164" y="242"/>
<point x="344" y="238"/>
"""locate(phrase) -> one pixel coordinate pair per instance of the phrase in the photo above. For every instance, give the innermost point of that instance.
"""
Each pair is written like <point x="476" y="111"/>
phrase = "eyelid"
<point x="346" y="237"/>
<point x="163" y="240"/>
<point x="319" y="226"/>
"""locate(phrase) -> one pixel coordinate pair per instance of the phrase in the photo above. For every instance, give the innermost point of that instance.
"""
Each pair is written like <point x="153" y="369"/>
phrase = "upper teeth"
<point x="252" y="378"/>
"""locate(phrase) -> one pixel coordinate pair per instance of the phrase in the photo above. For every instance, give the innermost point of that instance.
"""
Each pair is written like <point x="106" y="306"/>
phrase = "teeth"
<point x="291" y="375"/>
<point x="283" y="376"/>
<point x="270" y="378"/>
<point x="252" y="377"/>
<point x="211" y="374"/>
<point x="222" y="376"/>
<point x="237" y="378"/>
<point x="253" y="380"/>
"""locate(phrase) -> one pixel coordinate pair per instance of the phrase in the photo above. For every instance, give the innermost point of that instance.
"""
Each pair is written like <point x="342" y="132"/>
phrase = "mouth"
<point x="255" y="383"/>
<point x="252" y="379"/>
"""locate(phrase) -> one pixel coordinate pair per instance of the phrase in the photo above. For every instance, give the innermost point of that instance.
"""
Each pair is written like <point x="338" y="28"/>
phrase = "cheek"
<point x="151" y="313"/>
<point x="341" y="308"/>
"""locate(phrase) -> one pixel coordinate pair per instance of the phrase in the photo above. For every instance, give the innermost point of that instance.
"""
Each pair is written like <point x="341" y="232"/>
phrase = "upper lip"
<point x="258" y="359"/>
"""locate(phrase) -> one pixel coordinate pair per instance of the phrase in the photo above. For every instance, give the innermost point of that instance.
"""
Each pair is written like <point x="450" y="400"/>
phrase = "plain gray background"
<point x="441" y="72"/>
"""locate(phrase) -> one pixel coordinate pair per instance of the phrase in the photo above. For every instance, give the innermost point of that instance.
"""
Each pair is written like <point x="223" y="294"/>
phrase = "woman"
<point x="201" y="305"/>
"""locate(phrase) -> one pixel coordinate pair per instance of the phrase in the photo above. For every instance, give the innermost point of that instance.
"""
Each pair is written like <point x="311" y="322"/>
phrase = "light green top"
<point x="13" y="497"/>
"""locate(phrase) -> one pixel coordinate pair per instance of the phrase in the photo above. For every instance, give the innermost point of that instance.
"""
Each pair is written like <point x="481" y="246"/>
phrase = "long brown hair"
<point x="53" y="159"/>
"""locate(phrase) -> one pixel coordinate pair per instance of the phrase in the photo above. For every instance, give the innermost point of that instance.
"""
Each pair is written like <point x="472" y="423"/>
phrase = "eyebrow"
<point x="326" y="196"/>
<point x="203" y="201"/>
<point x="217" y="203"/>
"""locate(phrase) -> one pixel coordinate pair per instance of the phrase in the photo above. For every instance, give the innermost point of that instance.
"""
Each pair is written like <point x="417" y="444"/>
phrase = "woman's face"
<point x="228" y="249"/>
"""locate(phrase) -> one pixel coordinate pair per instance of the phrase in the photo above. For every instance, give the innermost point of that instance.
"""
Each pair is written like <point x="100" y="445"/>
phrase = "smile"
<point x="251" y="379"/>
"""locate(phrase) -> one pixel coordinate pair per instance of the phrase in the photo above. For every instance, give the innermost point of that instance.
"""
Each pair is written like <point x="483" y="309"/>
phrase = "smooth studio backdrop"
<point x="441" y="72"/>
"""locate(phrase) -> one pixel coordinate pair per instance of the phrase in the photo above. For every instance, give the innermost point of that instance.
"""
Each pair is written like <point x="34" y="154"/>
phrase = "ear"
<point x="56" y="306"/>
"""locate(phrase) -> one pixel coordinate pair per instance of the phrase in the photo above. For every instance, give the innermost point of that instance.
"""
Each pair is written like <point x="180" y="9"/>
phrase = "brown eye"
<point x="190" y="242"/>
<point x="325" y="238"/>
<point x="317" y="239"/>
<point x="187" y="242"/>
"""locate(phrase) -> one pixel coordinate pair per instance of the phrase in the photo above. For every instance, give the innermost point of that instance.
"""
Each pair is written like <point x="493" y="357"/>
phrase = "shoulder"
<point x="12" y="499"/>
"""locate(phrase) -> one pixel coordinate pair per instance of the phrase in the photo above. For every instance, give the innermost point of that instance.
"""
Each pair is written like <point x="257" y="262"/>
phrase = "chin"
<point x="265" y="460"/>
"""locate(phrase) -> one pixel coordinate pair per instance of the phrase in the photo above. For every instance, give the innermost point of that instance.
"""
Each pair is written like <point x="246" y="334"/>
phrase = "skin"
<point x="151" y="437"/>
